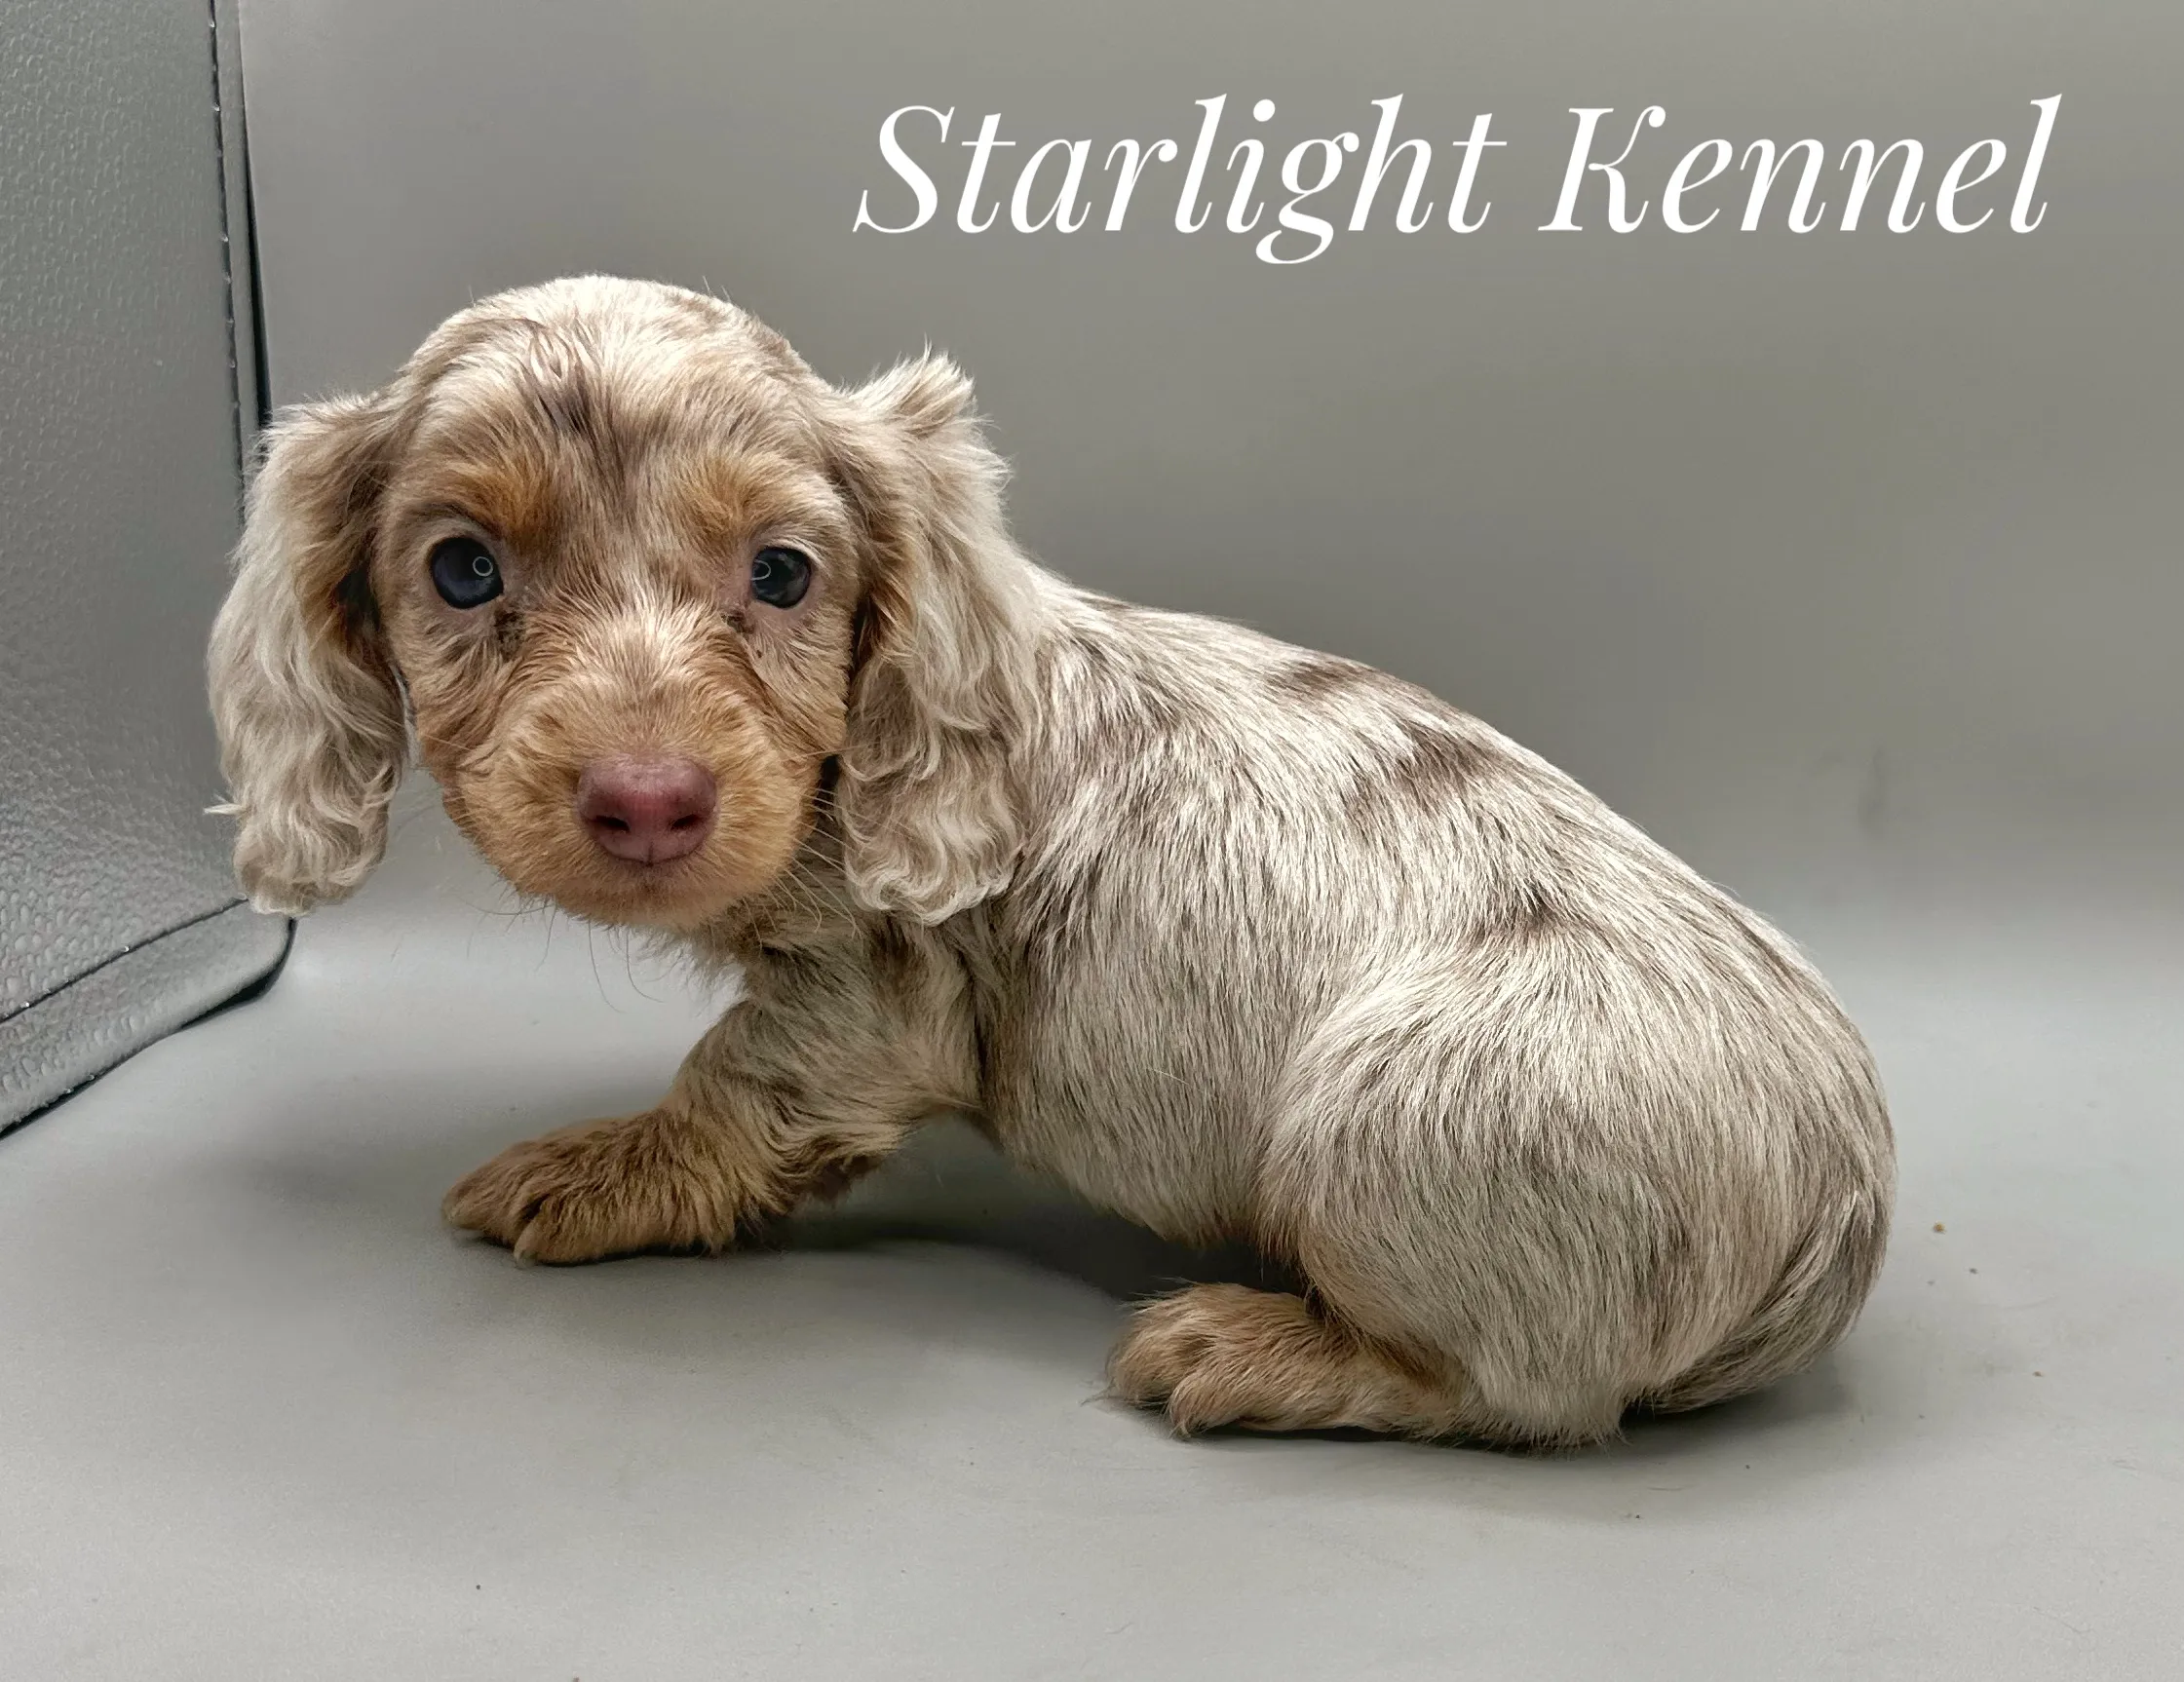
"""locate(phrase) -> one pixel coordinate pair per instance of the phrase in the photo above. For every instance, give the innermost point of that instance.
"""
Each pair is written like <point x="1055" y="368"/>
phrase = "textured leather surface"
<point x="128" y="1002"/>
<point x="118" y="505"/>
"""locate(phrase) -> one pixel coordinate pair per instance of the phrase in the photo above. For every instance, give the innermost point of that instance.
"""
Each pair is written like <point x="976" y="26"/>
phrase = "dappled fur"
<point x="1240" y="941"/>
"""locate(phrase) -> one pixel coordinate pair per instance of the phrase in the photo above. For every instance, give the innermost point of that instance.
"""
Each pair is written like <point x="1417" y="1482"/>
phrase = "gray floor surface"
<point x="264" y="1417"/>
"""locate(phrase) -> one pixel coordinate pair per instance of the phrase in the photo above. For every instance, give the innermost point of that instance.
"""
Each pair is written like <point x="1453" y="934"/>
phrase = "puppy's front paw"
<point x="597" y="1189"/>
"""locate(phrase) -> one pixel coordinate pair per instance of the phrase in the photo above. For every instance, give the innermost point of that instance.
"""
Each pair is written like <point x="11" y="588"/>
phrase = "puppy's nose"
<point x="647" y="811"/>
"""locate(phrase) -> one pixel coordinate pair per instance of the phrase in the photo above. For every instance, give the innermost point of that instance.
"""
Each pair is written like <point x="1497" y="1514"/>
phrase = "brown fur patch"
<point x="1439" y="760"/>
<point x="512" y="490"/>
<point x="1316" y="676"/>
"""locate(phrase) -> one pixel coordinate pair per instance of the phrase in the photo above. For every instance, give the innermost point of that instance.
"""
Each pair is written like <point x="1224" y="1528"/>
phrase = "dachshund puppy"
<point x="1241" y="941"/>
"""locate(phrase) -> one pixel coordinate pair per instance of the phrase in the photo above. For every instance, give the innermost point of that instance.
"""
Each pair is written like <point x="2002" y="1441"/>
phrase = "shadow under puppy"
<point x="1241" y="941"/>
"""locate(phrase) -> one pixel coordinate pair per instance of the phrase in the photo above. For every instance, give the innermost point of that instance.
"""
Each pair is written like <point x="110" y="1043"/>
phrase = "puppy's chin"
<point x="674" y="897"/>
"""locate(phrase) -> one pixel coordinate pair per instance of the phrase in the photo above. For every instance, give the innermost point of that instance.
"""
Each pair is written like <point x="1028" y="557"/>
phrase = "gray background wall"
<point x="1845" y="562"/>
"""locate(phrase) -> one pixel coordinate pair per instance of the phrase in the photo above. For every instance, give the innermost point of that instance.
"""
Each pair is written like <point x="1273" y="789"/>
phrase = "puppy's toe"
<point x="486" y="1200"/>
<point x="1220" y="1354"/>
<point x="579" y="1195"/>
<point x="1197" y="1353"/>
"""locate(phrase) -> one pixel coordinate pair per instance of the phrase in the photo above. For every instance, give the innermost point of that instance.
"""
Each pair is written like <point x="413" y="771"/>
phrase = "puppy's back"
<point x="1316" y="956"/>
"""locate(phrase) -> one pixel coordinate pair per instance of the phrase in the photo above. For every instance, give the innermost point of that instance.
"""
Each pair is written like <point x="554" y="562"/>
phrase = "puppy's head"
<point x="631" y="577"/>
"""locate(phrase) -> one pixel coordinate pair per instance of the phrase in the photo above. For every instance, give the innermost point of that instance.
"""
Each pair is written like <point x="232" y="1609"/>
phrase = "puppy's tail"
<point x="1812" y="1306"/>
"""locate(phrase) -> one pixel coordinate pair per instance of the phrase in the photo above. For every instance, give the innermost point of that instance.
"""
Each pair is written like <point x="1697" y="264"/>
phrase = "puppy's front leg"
<point x="780" y="1102"/>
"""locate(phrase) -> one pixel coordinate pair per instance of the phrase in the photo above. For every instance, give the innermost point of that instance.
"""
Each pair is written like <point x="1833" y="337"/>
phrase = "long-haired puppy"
<point x="1241" y="941"/>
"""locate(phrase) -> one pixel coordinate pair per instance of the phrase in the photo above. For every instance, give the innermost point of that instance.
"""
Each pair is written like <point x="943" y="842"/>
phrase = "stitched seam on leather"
<point x="227" y="245"/>
<point x="287" y="942"/>
<point x="16" y="1011"/>
<point x="261" y="359"/>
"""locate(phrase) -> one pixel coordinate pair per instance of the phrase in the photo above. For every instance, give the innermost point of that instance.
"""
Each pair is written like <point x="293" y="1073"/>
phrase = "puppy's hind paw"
<point x="1222" y="1355"/>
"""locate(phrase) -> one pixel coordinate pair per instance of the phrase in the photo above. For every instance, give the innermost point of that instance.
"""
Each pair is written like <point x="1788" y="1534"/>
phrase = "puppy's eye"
<point x="779" y="577"/>
<point x="465" y="572"/>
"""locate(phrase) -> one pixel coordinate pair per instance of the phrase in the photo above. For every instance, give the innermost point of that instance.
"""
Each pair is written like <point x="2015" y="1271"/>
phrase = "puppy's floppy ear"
<point x="939" y="691"/>
<point x="312" y="735"/>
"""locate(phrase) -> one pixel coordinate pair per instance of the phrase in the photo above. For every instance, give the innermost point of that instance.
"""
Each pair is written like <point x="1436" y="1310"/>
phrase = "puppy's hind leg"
<point x="1217" y="1355"/>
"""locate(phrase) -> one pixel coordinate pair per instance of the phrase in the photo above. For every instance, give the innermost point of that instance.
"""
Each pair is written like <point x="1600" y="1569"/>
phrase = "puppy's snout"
<point x="647" y="811"/>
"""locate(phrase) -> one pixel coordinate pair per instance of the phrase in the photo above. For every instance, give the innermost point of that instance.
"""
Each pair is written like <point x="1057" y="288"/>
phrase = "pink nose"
<point x="647" y="811"/>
